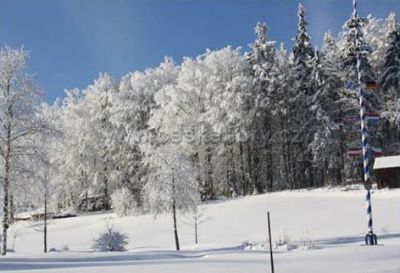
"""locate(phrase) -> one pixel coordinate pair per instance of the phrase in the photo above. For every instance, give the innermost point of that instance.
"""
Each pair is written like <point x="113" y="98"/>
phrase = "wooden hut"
<point x="387" y="171"/>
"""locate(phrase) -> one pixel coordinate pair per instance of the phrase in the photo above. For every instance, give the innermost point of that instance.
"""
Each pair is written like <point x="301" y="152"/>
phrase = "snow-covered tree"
<point x="325" y="109"/>
<point x="131" y="109"/>
<point x="111" y="240"/>
<point x="229" y="115"/>
<point x="98" y="103"/>
<point x="374" y="34"/>
<point x="123" y="202"/>
<point x="391" y="75"/>
<point x="390" y="83"/>
<point x="261" y="107"/>
<point x="303" y="91"/>
<point x="206" y="105"/>
<point x="194" y="218"/>
<point x="40" y="175"/>
<point x="330" y="110"/>
<point x="352" y="38"/>
<point x="18" y="98"/>
<point x="71" y="155"/>
<point x="171" y="185"/>
<point x="84" y="154"/>
<point x="354" y="45"/>
<point x="283" y="110"/>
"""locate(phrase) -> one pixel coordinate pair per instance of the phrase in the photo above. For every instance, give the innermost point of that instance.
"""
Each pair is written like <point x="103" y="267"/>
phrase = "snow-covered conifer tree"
<point x="303" y="56"/>
<point x="283" y="111"/>
<point x="390" y="83"/>
<point x="391" y="75"/>
<point x="350" y="40"/>
<point x="262" y="107"/>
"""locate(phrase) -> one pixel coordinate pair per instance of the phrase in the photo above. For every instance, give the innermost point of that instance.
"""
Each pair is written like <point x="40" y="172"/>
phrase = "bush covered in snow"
<point x="123" y="202"/>
<point x="305" y="241"/>
<point x="110" y="240"/>
<point x="284" y="243"/>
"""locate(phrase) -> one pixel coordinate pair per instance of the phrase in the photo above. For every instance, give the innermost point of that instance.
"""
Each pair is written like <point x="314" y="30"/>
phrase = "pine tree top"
<point x="261" y="31"/>
<point x="303" y="48"/>
<point x="393" y="25"/>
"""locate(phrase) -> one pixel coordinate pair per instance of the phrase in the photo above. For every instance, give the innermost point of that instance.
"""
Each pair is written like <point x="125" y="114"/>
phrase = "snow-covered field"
<point x="325" y="230"/>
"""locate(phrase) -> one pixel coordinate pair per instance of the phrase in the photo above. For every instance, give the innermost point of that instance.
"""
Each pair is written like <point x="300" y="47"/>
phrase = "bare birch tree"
<point x="18" y="98"/>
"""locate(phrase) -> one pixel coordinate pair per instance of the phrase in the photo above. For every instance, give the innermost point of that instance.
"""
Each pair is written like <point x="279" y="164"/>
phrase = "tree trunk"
<point x="175" y="225"/>
<point x="45" y="222"/>
<point x="310" y="168"/>
<point x="5" y="211"/>
<point x="174" y="213"/>
<point x="195" y="226"/>
<point x="210" y="182"/>
<point x="256" y="168"/>
<point x="250" y="150"/>
<point x="270" y="175"/>
<point x="87" y="200"/>
<point x="268" y="153"/>
<point x="208" y="185"/>
<point x="6" y="188"/>
<point x="342" y="175"/>
<point x="244" y="184"/>
<point x="106" y="202"/>
<point x="11" y="210"/>
<point x="284" y="154"/>
<point x="233" y="171"/>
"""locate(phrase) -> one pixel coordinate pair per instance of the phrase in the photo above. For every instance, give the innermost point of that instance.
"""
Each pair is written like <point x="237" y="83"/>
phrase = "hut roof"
<point x="387" y="162"/>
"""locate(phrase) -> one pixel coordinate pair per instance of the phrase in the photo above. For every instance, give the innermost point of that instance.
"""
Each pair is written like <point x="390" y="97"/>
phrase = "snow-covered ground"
<point x="325" y="230"/>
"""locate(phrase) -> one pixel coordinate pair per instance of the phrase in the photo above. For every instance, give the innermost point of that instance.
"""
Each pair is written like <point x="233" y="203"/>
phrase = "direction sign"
<point x="372" y="117"/>
<point x="354" y="152"/>
<point x="376" y="152"/>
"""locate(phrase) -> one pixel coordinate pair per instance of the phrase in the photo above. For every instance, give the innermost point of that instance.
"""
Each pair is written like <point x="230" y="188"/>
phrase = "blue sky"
<point x="71" y="41"/>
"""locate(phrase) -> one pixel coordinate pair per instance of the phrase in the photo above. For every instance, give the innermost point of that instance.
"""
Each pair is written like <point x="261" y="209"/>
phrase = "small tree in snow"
<point x="16" y="234"/>
<point x="110" y="240"/>
<point x="194" y="218"/>
<point x="171" y="184"/>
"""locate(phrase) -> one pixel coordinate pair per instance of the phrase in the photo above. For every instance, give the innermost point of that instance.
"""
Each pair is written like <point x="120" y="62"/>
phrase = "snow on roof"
<point x="387" y="162"/>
